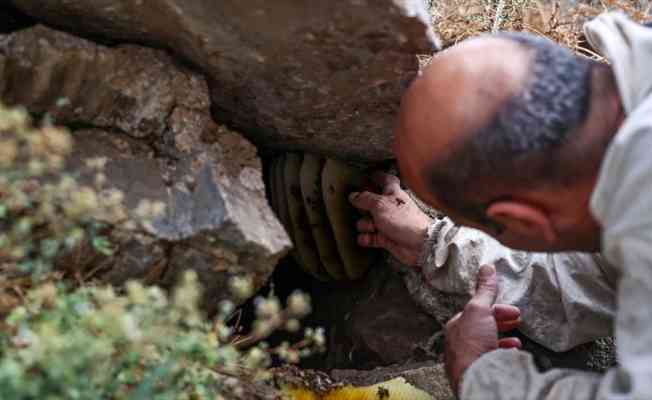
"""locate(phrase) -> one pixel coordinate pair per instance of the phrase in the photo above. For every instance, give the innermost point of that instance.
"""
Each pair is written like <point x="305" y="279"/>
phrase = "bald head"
<point x="456" y="95"/>
<point x="489" y="115"/>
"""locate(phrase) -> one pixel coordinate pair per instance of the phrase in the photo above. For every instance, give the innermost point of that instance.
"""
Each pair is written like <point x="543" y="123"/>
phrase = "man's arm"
<point x="566" y="299"/>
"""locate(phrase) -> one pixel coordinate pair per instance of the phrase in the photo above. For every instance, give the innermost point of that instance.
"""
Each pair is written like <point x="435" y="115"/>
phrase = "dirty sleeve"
<point x="566" y="299"/>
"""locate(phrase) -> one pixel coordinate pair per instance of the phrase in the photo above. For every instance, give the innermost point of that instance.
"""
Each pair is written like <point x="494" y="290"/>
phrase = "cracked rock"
<point x="149" y="117"/>
<point x="295" y="75"/>
<point x="127" y="88"/>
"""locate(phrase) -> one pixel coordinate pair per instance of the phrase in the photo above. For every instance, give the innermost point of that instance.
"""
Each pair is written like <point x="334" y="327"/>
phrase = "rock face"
<point x="319" y="76"/>
<point x="150" y="118"/>
<point x="372" y="322"/>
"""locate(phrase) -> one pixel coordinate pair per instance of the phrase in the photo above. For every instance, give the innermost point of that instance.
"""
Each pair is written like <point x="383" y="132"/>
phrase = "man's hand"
<point x="474" y="332"/>
<point x="396" y="223"/>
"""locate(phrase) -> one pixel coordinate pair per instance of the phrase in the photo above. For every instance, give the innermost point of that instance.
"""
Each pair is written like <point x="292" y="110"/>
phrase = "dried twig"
<point x="498" y="18"/>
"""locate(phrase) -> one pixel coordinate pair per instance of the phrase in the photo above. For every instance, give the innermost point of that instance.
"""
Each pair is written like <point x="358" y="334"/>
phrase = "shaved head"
<point x="456" y="95"/>
<point x="491" y="115"/>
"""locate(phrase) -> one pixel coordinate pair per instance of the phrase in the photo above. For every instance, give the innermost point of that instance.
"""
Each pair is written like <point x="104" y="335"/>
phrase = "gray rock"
<point x="373" y="322"/>
<point x="324" y="77"/>
<point x="150" y="118"/>
<point x="128" y="88"/>
<point x="386" y="325"/>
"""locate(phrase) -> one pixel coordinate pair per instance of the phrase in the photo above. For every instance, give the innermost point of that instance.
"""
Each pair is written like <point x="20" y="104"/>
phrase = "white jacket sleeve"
<point x="511" y="374"/>
<point x="566" y="299"/>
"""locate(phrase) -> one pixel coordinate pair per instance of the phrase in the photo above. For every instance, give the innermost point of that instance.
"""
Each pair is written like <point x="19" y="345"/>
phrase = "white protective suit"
<point x="566" y="299"/>
<point x="569" y="298"/>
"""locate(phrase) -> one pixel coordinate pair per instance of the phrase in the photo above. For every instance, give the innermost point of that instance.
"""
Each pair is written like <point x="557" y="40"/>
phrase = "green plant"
<point x="90" y="342"/>
<point x="44" y="210"/>
<point x="95" y="344"/>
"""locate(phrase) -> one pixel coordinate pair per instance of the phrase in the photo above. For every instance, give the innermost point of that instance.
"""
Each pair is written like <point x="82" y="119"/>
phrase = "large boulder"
<point x="306" y="75"/>
<point x="149" y="117"/>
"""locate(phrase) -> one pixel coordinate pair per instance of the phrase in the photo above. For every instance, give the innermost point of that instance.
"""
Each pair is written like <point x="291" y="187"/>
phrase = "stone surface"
<point x="150" y="118"/>
<point x="131" y="89"/>
<point x="319" y="76"/>
<point x="372" y="322"/>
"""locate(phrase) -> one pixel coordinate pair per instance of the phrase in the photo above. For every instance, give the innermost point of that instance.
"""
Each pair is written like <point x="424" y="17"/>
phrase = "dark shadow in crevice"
<point x="11" y="19"/>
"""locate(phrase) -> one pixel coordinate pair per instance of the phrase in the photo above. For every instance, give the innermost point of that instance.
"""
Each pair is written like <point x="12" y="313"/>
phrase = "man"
<point x="512" y="135"/>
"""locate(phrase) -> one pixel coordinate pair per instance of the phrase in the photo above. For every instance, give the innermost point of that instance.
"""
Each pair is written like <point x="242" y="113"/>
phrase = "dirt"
<point x="560" y="21"/>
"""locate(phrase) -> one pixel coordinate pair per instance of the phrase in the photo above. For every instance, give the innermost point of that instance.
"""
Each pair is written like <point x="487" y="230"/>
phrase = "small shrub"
<point x="95" y="344"/>
<point x="43" y="209"/>
<point x="63" y="342"/>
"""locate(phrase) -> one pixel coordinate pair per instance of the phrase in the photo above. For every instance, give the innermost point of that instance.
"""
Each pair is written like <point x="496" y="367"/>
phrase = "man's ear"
<point x="523" y="219"/>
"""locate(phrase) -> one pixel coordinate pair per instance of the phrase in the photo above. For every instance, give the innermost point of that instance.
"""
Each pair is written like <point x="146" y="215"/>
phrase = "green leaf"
<point x="102" y="245"/>
<point x="50" y="248"/>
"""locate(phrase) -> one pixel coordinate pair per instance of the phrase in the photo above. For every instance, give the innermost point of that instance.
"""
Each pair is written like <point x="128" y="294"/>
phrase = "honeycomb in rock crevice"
<point x="310" y="196"/>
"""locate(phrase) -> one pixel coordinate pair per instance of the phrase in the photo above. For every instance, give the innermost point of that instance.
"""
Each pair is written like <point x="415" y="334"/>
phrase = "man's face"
<point x="505" y="236"/>
<point x="456" y="95"/>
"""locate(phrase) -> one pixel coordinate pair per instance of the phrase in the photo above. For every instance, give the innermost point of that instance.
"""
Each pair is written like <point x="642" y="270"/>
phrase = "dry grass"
<point x="456" y="20"/>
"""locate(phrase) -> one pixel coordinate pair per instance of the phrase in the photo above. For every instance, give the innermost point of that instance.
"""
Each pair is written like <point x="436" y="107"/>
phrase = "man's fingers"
<point x="506" y="326"/>
<point x="510" y="343"/>
<point x="505" y="312"/>
<point x="366" y="225"/>
<point x="378" y="240"/>
<point x="486" y="291"/>
<point x="365" y="201"/>
<point x="453" y="320"/>
<point x="373" y="240"/>
<point x="366" y="239"/>
<point x="389" y="184"/>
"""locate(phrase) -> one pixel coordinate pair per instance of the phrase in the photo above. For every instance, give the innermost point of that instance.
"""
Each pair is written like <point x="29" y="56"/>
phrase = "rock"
<point x="149" y="117"/>
<point x="441" y="305"/>
<point x="372" y="322"/>
<point x="319" y="76"/>
<point x="428" y="376"/>
<point x="597" y="356"/>
<point x="386" y="325"/>
<point x="128" y="88"/>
